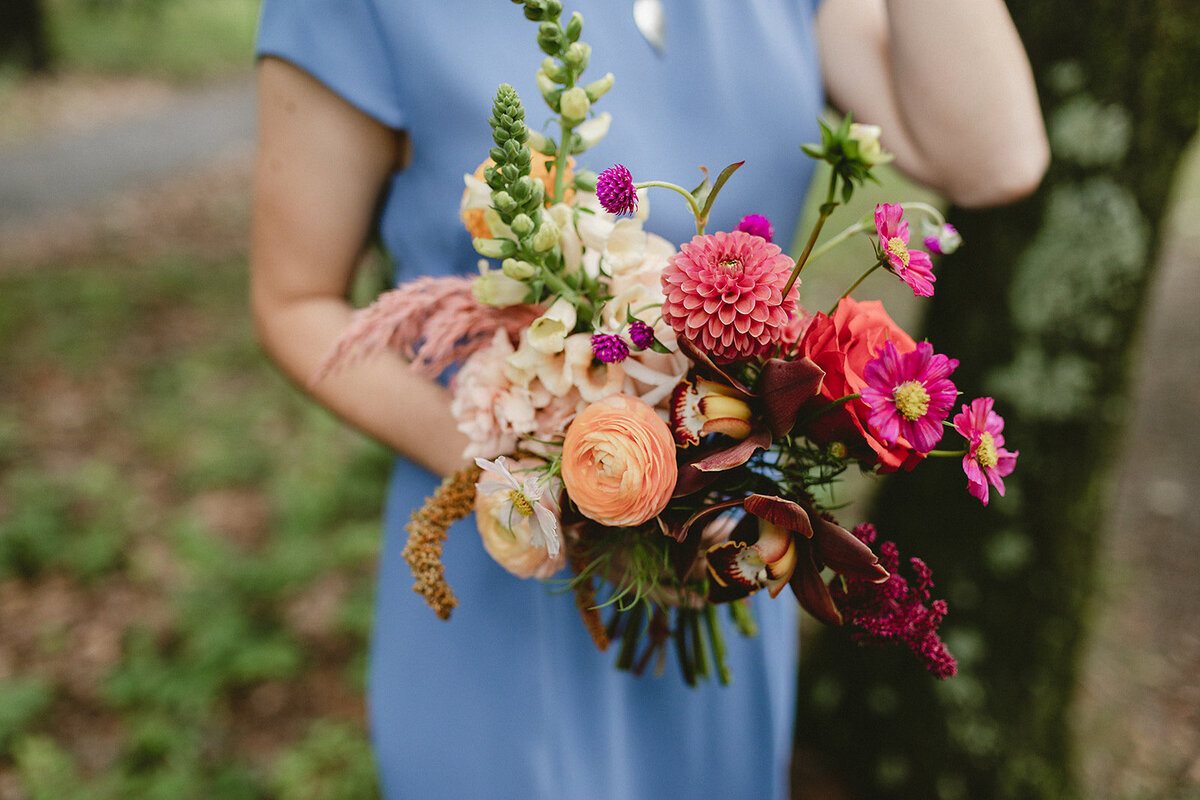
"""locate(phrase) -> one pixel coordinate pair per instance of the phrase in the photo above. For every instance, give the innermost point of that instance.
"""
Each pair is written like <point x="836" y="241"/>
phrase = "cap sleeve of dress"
<point x="339" y="42"/>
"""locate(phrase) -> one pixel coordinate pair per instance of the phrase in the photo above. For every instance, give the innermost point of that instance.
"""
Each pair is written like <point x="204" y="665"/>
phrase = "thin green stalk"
<point x="854" y="285"/>
<point x="700" y="221"/>
<point x="857" y="227"/>
<point x="826" y="209"/>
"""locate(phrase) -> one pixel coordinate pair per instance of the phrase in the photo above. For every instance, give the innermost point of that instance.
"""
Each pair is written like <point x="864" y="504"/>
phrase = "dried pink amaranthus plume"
<point x="432" y="322"/>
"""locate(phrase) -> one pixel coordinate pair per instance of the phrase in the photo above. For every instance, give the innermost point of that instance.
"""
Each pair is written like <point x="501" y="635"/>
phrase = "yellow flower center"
<point x="899" y="249"/>
<point x="911" y="400"/>
<point x="520" y="503"/>
<point x="731" y="267"/>
<point x="985" y="453"/>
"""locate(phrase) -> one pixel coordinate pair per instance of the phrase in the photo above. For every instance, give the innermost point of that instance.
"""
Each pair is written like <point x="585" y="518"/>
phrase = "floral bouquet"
<point x="662" y="422"/>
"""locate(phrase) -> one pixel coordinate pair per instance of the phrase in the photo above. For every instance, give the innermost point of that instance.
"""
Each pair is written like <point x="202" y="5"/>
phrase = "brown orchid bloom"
<point x="791" y="547"/>
<point x="715" y="402"/>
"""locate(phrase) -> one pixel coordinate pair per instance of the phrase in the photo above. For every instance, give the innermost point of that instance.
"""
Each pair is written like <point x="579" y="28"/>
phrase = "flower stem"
<point x="836" y="240"/>
<point x="854" y="285"/>
<point x="692" y="204"/>
<point x="947" y="453"/>
<point x="916" y="205"/>
<point x="826" y="209"/>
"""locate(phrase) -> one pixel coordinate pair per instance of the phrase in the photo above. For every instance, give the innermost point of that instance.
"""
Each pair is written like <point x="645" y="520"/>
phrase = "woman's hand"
<point x="949" y="83"/>
<point x="320" y="169"/>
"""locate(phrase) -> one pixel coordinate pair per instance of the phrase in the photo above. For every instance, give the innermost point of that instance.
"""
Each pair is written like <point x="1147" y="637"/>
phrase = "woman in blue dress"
<point x="371" y="111"/>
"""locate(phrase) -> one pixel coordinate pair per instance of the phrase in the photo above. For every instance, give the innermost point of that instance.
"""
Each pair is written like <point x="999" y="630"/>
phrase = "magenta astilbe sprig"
<point x="895" y="612"/>
<point x="432" y="322"/>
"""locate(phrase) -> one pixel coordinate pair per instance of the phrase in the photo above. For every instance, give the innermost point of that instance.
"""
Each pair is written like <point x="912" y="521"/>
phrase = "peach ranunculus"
<point x="618" y="462"/>
<point x="842" y="345"/>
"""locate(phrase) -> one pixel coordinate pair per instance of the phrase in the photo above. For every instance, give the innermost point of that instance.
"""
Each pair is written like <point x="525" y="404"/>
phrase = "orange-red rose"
<point x="619" y="461"/>
<point x="842" y="345"/>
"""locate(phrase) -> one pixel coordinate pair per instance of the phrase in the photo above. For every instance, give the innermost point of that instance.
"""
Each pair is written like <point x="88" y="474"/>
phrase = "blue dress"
<point x="510" y="698"/>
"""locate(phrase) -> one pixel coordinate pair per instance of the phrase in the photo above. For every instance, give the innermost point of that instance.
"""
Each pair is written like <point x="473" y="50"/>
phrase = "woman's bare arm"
<point x="320" y="167"/>
<point x="949" y="82"/>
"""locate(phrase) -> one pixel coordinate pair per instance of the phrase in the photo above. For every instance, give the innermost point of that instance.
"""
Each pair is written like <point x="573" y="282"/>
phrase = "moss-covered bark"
<point x="1041" y="306"/>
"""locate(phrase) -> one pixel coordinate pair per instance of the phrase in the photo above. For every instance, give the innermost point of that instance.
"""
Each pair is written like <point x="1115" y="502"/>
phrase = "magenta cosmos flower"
<point x="724" y="294"/>
<point x="909" y="395"/>
<point x="986" y="460"/>
<point x="614" y="188"/>
<point x="911" y="266"/>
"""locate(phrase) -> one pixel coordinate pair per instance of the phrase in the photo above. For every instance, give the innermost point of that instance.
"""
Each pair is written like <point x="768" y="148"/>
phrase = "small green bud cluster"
<point x="558" y="79"/>
<point x="852" y="150"/>
<point x="514" y="193"/>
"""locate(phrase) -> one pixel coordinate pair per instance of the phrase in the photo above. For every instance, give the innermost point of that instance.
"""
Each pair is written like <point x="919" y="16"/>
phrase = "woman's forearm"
<point x="378" y="395"/>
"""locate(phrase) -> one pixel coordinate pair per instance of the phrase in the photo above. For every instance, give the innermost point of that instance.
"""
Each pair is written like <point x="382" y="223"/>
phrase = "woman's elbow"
<point x="1003" y="176"/>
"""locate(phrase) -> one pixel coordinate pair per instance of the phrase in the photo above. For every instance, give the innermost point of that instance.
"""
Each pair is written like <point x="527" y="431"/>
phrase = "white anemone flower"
<point x="526" y="499"/>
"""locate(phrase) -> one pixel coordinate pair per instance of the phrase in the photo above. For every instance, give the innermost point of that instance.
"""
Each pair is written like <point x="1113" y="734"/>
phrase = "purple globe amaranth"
<point x="641" y="334"/>
<point x="614" y="188"/>
<point x="609" y="348"/>
<point x="757" y="225"/>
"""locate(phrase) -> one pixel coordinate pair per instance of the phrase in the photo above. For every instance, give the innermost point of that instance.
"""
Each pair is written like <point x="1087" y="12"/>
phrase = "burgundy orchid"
<point x="792" y="546"/>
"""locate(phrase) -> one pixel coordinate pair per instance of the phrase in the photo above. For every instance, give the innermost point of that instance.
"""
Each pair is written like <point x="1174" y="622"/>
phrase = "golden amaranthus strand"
<point x="585" y="601"/>
<point x="449" y="503"/>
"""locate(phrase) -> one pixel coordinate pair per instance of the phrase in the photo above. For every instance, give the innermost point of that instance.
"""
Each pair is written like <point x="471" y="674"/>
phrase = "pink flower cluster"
<point x="895" y="611"/>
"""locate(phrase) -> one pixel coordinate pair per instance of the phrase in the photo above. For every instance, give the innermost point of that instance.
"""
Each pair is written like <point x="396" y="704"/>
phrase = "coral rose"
<point x="618" y="461"/>
<point x="842" y="345"/>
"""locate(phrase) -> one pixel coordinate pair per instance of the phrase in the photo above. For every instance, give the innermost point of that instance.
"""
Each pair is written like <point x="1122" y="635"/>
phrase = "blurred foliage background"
<point x="187" y="544"/>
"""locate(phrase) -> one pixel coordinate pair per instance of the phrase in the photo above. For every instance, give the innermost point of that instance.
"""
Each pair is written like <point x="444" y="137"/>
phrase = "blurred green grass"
<point x="158" y="454"/>
<point x="172" y="39"/>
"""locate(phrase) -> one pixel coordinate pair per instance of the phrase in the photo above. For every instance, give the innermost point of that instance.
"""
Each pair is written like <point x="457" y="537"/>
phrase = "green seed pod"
<point x="556" y="71"/>
<point x="575" y="105"/>
<point x="578" y="55"/>
<point x="518" y="270"/>
<point x="522" y="225"/>
<point x="596" y="89"/>
<point x="546" y="236"/>
<point x="574" y="27"/>
<point x="495" y="248"/>
<point x="503" y="201"/>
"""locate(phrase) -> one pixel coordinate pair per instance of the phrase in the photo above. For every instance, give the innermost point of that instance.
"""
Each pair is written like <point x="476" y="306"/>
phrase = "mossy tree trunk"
<point x="1041" y="306"/>
<point x="23" y="35"/>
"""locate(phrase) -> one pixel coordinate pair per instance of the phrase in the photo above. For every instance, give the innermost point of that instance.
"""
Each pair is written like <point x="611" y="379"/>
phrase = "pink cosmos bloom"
<point x="911" y="266"/>
<point x="986" y="460"/>
<point x="724" y="294"/>
<point x="909" y="395"/>
<point x="757" y="225"/>
<point x="614" y="188"/>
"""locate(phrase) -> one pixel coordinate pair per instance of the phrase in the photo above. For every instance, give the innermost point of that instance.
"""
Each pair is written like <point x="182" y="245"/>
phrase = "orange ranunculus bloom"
<point x="474" y="204"/>
<point x="619" y="461"/>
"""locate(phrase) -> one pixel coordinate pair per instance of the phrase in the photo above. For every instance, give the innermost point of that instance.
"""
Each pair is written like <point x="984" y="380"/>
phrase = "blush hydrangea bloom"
<point x="909" y="395"/>
<point x="614" y="188"/>
<point x="911" y="266"/>
<point x="986" y="460"/>
<point x="724" y="294"/>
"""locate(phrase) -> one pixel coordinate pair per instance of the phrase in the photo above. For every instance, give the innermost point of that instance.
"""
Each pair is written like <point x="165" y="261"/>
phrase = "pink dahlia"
<point x="909" y="395"/>
<point x="724" y="294"/>
<point x="986" y="460"/>
<point x="911" y="266"/>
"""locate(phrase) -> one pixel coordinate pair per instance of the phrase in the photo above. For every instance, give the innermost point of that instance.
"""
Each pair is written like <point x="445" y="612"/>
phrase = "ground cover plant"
<point x="186" y="544"/>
